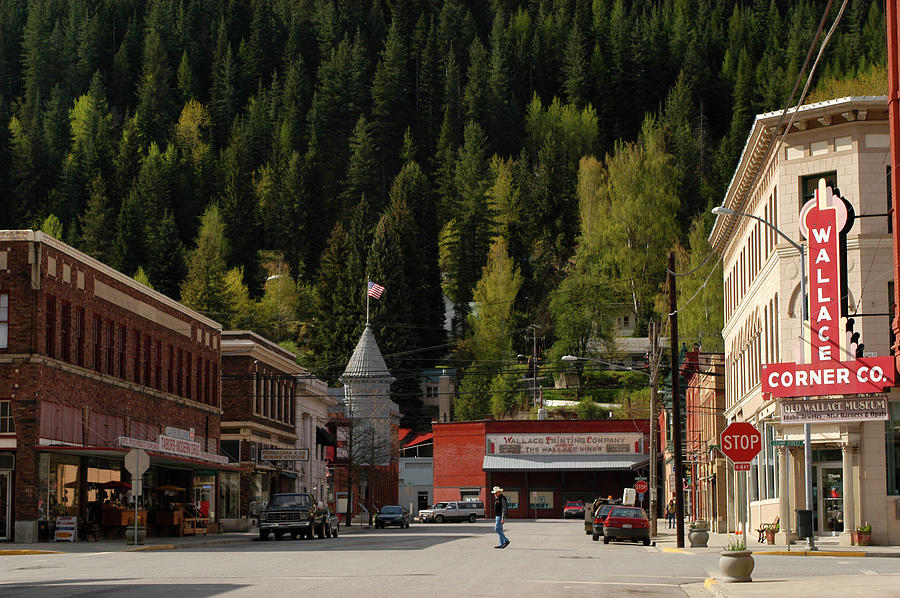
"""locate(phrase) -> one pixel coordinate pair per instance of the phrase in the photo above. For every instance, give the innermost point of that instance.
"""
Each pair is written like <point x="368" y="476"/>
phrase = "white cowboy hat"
<point x="496" y="489"/>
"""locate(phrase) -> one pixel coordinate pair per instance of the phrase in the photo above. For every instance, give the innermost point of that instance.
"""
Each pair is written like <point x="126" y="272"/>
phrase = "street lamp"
<point x="807" y="444"/>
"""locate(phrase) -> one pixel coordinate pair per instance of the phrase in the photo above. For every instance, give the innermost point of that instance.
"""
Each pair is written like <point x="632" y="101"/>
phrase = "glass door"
<point x="4" y="505"/>
<point x="831" y="491"/>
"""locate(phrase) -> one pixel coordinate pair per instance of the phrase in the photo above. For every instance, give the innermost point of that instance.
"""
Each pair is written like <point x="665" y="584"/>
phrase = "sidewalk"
<point x="168" y="543"/>
<point x="843" y="586"/>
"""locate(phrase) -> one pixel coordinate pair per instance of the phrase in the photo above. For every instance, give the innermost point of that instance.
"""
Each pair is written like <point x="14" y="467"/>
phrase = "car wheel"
<point x="595" y="537"/>
<point x="646" y="541"/>
<point x="263" y="535"/>
<point x="606" y="539"/>
<point x="472" y="518"/>
<point x="439" y="519"/>
<point x="278" y="535"/>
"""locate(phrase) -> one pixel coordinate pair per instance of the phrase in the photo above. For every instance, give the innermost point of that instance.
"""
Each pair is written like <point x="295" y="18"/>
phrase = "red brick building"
<point x="93" y="364"/>
<point x="539" y="464"/>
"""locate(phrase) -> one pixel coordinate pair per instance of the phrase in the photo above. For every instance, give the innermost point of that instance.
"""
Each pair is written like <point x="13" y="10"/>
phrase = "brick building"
<point x="269" y="403"/>
<point x="93" y="364"/>
<point x="540" y="463"/>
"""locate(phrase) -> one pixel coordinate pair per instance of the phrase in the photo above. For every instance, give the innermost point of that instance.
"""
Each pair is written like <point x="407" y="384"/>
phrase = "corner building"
<point x="93" y="364"/>
<point x="855" y="456"/>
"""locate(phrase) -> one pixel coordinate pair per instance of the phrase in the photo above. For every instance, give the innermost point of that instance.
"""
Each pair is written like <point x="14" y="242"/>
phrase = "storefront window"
<point x="892" y="449"/>
<point x="259" y="492"/>
<point x="230" y="494"/>
<point x="512" y="499"/>
<point x="58" y="496"/>
<point x="204" y="494"/>
<point x="540" y="499"/>
<point x="103" y="479"/>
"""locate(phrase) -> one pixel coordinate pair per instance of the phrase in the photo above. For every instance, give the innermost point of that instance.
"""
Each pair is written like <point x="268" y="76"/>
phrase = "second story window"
<point x="4" y="320"/>
<point x="136" y="358"/>
<point x="7" y="423"/>
<point x="51" y="326"/>
<point x="159" y="360"/>
<point x="65" y="328"/>
<point x="108" y="346"/>
<point x="121" y="341"/>
<point x="79" y="335"/>
<point x="146" y="358"/>
<point x="97" y="342"/>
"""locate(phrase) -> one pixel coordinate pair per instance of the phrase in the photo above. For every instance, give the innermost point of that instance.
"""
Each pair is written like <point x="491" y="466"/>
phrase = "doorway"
<point x="4" y="505"/>
<point x="830" y="495"/>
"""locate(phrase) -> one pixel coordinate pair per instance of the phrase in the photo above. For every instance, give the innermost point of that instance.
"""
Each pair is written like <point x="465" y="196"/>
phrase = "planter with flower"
<point x="862" y="535"/>
<point x="698" y="533"/>
<point x="736" y="562"/>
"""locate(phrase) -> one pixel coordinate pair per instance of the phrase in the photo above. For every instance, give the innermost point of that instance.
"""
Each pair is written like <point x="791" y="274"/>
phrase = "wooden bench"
<point x="765" y="527"/>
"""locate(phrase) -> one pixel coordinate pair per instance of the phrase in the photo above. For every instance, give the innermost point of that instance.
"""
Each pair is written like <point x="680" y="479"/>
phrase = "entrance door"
<point x="831" y="499"/>
<point x="4" y="505"/>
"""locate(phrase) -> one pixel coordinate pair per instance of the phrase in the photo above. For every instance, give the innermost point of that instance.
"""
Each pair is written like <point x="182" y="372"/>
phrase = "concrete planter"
<point x="141" y="534"/>
<point x="737" y="565"/>
<point x="698" y="537"/>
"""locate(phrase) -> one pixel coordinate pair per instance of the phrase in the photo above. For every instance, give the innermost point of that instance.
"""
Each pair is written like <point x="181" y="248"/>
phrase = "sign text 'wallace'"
<point x="833" y="361"/>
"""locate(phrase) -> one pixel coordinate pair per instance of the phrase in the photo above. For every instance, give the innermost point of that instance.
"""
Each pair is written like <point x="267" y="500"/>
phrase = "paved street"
<point x="546" y="558"/>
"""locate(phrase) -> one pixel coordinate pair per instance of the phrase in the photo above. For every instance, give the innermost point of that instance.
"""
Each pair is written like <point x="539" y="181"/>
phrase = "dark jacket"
<point x="500" y="504"/>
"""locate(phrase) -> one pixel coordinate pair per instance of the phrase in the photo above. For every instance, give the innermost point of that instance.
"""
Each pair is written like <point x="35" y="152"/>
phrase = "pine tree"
<point x="156" y="106"/>
<point x="224" y="91"/>
<point x="165" y="254"/>
<point x="97" y="221"/>
<point x="362" y="171"/>
<point x="391" y="107"/>
<point x="204" y="287"/>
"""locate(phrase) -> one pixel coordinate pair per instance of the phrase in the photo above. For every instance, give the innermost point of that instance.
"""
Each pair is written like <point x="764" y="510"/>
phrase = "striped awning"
<point x="561" y="462"/>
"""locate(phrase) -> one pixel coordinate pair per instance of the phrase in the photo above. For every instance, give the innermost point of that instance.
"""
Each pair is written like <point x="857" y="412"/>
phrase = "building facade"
<point x="272" y="411"/>
<point x="540" y="464"/>
<point x="92" y="365"/>
<point x="841" y="146"/>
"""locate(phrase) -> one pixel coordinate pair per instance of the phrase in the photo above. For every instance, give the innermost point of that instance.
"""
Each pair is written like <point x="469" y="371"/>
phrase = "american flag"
<point x="375" y="290"/>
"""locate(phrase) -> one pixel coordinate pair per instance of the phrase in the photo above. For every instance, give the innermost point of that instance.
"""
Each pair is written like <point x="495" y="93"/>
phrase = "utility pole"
<point x="654" y="368"/>
<point x="676" y="404"/>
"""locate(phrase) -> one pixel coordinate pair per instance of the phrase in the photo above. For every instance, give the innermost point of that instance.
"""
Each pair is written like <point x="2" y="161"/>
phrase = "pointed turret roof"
<point x="366" y="361"/>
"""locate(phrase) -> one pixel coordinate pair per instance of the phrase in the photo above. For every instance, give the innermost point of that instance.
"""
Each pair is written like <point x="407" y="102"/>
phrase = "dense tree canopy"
<point x="318" y="127"/>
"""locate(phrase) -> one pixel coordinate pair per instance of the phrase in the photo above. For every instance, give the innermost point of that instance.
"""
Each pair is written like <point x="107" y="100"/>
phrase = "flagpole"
<point x="367" y="301"/>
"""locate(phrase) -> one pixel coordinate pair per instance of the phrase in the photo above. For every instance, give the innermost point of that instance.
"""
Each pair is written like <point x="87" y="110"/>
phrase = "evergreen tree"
<point x="391" y="107"/>
<point x="96" y="222"/>
<point x="156" y="104"/>
<point x="362" y="172"/>
<point x="165" y="254"/>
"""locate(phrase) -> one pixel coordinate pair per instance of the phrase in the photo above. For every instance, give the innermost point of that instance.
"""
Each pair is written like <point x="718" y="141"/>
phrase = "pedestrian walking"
<point x="670" y="514"/>
<point x="500" y="504"/>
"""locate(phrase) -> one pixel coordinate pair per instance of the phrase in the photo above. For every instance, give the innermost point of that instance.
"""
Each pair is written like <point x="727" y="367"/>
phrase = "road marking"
<point x="604" y="583"/>
<point x="678" y="550"/>
<point x="869" y="572"/>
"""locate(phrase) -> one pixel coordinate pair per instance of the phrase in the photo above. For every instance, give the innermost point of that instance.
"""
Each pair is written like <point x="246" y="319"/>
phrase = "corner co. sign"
<point x="741" y="442"/>
<point x="831" y="365"/>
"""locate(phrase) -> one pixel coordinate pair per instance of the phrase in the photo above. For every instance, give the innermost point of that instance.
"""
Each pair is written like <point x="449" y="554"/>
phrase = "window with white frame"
<point x="7" y="424"/>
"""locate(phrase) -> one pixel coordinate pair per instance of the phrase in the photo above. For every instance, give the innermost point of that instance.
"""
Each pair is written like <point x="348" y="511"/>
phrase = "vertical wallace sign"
<point x="833" y="361"/>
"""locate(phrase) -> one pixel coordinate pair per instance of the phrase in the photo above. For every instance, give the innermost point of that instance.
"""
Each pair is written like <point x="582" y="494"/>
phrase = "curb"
<point x="19" y="552"/>
<point x="678" y="550"/>
<point x="847" y="553"/>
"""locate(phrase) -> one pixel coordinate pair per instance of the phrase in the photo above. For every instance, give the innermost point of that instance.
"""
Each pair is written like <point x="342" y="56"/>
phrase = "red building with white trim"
<point x="539" y="463"/>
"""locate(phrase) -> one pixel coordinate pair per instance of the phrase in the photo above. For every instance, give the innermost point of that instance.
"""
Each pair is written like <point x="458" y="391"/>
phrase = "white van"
<point x="454" y="510"/>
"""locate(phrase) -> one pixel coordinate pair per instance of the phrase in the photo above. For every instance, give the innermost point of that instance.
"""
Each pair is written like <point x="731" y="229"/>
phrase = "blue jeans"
<point x="498" y="527"/>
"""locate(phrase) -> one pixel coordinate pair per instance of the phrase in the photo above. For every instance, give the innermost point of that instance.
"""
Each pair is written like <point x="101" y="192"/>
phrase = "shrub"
<point x="735" y="544"/>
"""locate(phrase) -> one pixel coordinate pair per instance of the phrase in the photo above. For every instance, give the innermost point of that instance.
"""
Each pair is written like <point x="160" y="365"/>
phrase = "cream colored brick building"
<point x="846" y="142"/>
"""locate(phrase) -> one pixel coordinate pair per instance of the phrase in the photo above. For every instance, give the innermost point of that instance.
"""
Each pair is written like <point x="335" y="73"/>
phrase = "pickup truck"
<point x="295" y="513"/>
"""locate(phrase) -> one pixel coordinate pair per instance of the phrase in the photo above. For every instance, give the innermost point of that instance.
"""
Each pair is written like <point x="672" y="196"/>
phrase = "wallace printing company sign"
<point x="831" y="365"/>
<point x="838" y="409"/>
<point x="564" y="444"/>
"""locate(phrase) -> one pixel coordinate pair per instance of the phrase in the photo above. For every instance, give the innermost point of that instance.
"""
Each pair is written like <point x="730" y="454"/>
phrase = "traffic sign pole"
<point x="741" y="443"/>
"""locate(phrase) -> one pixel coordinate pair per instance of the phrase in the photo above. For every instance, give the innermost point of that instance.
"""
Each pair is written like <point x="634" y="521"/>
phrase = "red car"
<point x="627" y="523"/>
<point x="573" y="508"/>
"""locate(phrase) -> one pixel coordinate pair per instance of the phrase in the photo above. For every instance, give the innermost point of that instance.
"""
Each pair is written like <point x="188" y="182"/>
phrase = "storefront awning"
<point x="118" y="454"/>
<point x="561" y="462"/>
<point x="324" y="437"/>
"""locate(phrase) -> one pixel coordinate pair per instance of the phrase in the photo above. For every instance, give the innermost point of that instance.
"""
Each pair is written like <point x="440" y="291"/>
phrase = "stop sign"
<point x="640" y="486"/>
<point x="741" y="442"/>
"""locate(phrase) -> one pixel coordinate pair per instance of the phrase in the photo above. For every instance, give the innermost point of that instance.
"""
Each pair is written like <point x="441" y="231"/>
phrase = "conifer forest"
<point x="503" y="168"/>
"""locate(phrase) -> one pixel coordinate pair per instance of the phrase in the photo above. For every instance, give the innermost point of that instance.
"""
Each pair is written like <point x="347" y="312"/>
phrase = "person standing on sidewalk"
<point x="670" y="514"/>
<point x="500" y="505"/>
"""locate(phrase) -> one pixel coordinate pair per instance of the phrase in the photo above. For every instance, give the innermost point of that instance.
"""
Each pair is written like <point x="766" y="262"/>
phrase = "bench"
<point x="765" y="527"/>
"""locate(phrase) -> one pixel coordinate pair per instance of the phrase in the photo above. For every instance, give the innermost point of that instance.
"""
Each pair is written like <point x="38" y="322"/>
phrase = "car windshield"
<point x="440" y="505"/>
<point x="574" y="503"/>
<point x="604" y="510"/>
<point x="627" y="512"/>
<point x="290" y="500"/>
<point x="391" y="510"/>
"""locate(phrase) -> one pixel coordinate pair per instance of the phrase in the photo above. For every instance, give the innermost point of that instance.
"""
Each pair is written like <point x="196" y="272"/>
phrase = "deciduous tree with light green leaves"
<point x="204" y="287"/>
<point x="495" y="294"/>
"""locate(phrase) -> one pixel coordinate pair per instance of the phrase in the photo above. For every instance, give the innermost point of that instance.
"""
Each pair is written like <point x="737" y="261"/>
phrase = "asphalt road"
<point x="545" y="558"/>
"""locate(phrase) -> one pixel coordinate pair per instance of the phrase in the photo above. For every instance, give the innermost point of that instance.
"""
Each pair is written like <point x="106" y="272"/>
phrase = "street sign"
<point x="787" y="443"/>
<point x="136" y="462"/>
<point x="741" y="442"/>
<point x="640" y="486"/>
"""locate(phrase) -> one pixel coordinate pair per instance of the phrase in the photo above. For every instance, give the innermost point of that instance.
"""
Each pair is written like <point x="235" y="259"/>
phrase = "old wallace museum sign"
<point x="832" y="361"/>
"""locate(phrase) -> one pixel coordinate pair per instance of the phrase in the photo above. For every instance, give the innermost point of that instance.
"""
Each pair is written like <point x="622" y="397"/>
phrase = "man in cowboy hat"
<point x="500" y="504"/>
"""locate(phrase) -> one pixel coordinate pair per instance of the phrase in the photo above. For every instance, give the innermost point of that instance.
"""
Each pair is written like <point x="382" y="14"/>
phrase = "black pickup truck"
<point x="296" y="514"/>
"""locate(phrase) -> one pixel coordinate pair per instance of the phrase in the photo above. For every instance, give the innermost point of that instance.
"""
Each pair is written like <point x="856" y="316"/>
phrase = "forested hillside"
<point x="532" y="161"/>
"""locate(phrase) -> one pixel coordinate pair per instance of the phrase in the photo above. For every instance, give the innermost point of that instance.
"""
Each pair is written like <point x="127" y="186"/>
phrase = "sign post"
<point x="137" y="461"/>
<point x="641" y="487"/>
<point x="741" y="442"/>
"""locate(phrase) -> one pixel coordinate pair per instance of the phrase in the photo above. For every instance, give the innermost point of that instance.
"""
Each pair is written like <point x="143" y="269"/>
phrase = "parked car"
<point x="454" y="510"/>
<point x="627" y="523"/>
<point x="332" y="523"/>
<point x="599" y="517"/>
<point x="573" y="508"/>
<point x="392" y="515"/>
<point x="295" y="513"/>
